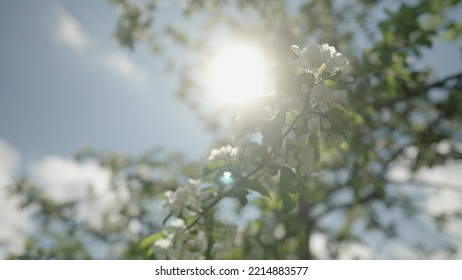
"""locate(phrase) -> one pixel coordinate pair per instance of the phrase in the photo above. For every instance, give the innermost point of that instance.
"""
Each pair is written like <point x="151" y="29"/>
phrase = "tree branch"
<point x="443" y="82"/>
<point x="224" y="194"/>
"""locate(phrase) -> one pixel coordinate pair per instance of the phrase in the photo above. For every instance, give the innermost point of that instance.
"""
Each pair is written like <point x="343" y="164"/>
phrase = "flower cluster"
<point x="298" y="154"/>
<point x="311" y="104"/>
<point x="187" y="196"/>
<point x="313" y="57"/>
<point x="225" y="152"/>
<point x="178" y="245"/>
<point x="321" y="95"/>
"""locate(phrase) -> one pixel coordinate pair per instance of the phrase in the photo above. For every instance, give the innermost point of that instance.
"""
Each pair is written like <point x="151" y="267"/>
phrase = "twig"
<point x="213" y="203"/>
<point x="443" y="82"/>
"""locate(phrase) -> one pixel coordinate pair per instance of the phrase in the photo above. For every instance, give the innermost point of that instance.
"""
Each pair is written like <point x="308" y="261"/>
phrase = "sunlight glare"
<point x="236" y="73"/>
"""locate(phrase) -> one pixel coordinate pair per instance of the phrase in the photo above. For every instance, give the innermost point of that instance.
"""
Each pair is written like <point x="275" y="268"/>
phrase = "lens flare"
<point x="226" y="178"/>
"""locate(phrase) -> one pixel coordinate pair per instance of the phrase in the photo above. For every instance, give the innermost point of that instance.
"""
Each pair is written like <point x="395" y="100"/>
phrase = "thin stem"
<point x="291" y="125"/>
<point x="224" y="194"/>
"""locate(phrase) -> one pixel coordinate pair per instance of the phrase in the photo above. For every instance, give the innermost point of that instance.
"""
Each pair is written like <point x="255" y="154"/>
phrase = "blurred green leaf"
<point x="213" y="165"/>
<point x="288" y="180"/>
<point x="149" y="241"/>
<point x="256" y="186"/>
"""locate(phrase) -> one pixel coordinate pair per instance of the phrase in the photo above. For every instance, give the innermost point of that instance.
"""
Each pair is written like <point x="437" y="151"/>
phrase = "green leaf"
<point x="320" y="69"/>
<point x="243" y="200"/>
<point x="453" y="32"/>
<point x="258" y="152"/>
<point x="242" y="131"/>
<point x="272" y="134"/>
<point x="330" y="83"/>
<point x="241" y="195"/>
<point x="339" y="119"/>
<point x="213" y="165"/>
<point x="148" y="241"/>
<point x="290" y="117"/>
<point x="255" y="185"/>
<point x="287" y="201"/>
<point x="272" y="168"/>
<point x="287" y="183"/>
<point x="313" y="141"/>
<point x="281" y="117"/>
<point x="288" y="180"/>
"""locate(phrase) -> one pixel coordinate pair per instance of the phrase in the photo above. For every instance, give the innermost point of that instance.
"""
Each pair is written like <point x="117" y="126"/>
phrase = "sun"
<point x="236" y="73"/>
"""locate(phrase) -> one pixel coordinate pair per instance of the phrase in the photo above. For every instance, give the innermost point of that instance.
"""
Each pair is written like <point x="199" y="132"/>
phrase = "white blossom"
<point x="188" y="195"/>
<point x="295" y="104"/>
<point x="310" y="58"/>
<point x="314" y="56"/>
<point x="321" y="94"/>
<point x="345" y="74"/>
<point x="225" y="152"/>
<point x="178" y="244"/>
<point x="164" y="243"/>
<point x="178" y="223"/>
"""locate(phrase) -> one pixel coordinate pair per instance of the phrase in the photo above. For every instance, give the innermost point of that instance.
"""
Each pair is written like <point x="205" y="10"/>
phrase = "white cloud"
<point x="441" y="188"/>
<point x="446" y="197"/>
<point x="446" y="174"/>
<point x="68" y="31"/>
<point x="10" y="159"/>
<point x="13" y="222"/>
<point x="121" y="64"/>
<point x="66" y="179"/>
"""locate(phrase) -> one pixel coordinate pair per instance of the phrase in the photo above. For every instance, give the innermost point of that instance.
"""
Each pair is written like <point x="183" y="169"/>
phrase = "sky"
<point x="65" y="84"/>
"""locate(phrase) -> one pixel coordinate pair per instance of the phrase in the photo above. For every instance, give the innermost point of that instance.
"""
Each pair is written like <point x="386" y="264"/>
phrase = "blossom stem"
<point x="220" y="197"/>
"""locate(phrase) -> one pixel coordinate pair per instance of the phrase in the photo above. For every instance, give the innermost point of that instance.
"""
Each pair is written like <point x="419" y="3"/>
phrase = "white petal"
<point x="296" y="50"/>
<point x="325" y="123"/>
<point x="178" y="223"/>
<point x="321" y="92"/>
<point x="163" y="243"/>
<point x="323" y="107"/>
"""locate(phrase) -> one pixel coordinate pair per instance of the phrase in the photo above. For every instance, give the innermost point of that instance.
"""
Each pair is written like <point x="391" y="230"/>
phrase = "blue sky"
<point x="65" y="84"/>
